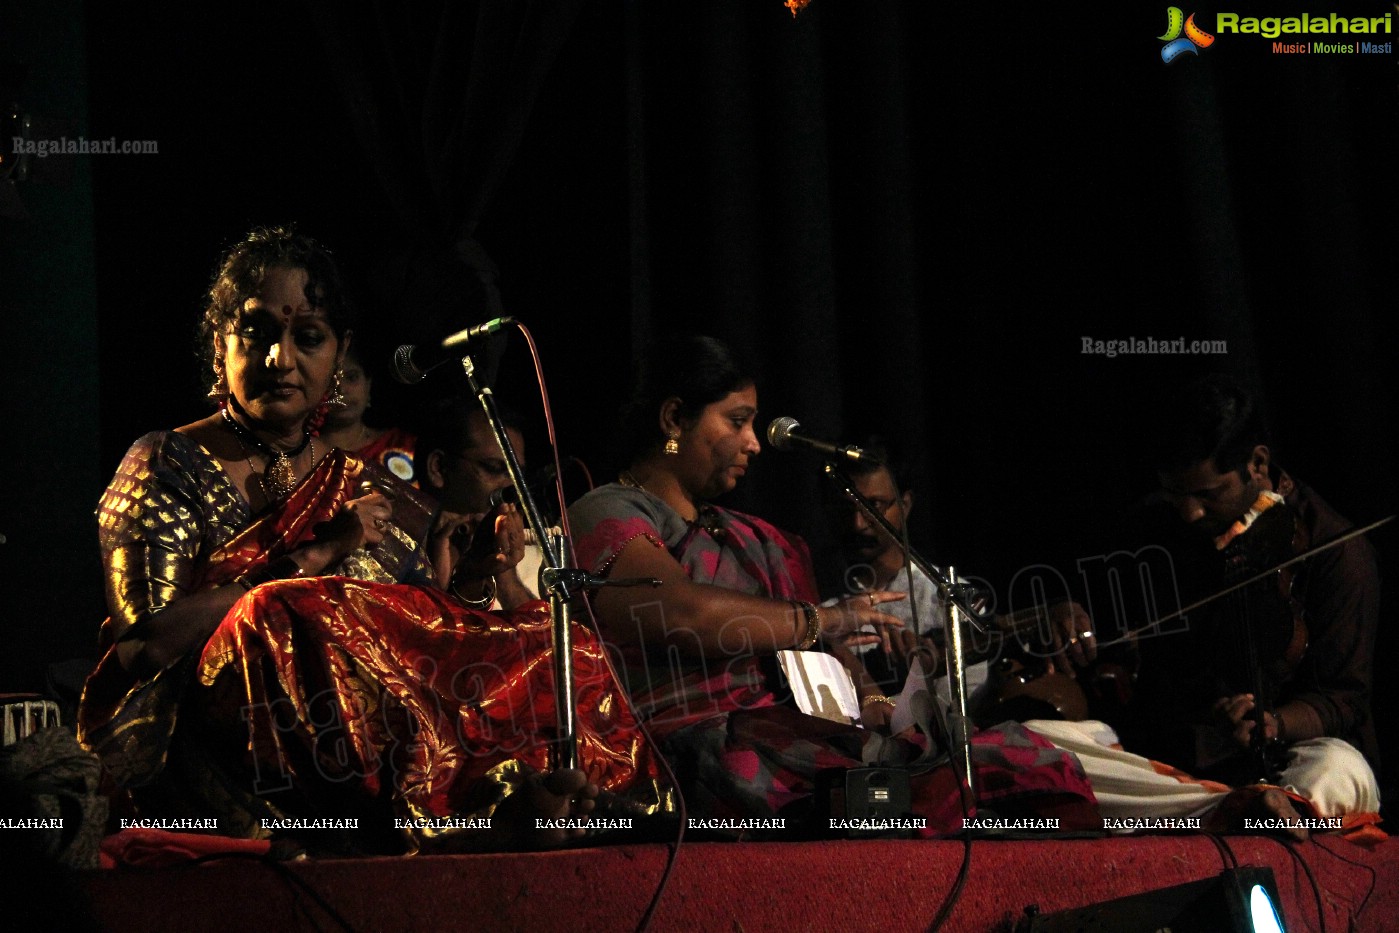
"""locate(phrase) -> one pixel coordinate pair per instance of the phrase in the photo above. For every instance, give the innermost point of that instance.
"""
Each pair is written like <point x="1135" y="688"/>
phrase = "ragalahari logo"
<point x="1177" y="44"/>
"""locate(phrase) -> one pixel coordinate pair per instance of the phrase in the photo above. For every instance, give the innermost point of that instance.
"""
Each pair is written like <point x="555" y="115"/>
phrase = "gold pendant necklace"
<point x="279" y="477"/>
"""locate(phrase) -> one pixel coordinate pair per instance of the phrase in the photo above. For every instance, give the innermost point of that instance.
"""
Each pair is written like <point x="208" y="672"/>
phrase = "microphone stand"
<point x="563" y="583"/>
<point x="564" y="752"/>
<point x="955" y="598"/>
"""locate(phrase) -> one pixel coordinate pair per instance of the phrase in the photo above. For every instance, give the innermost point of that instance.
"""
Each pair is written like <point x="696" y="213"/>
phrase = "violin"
<point x="1261" y="630"/>
<point x="1020" y="686"/>
<point x="1267" y="636"/>
<point x="1267" y="536"/>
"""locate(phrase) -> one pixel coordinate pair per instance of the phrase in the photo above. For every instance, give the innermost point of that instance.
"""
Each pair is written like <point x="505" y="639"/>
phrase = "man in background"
<point x="459" y="463"/>
<point x="873" y="560"/>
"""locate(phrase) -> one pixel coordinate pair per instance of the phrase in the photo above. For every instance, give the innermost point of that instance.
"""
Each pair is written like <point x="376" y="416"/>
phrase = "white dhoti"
<point x="1328" y="772"/>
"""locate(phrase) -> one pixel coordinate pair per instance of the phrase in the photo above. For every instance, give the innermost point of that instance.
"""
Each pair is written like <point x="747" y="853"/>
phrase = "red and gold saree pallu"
<point x="403" y="695"/>
<point x="354" y="698"/>
<point x="129" y="720"/>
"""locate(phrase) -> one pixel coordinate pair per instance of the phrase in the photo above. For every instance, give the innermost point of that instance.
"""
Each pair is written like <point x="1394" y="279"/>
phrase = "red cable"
<point x="571" y="559"/>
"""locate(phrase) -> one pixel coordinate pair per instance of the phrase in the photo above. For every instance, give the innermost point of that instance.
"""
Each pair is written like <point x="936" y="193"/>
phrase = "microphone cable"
<point x="623" y="689"/>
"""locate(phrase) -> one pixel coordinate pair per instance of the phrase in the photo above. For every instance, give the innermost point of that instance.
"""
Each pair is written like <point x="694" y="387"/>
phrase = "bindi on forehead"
<point x="284" y="313"/>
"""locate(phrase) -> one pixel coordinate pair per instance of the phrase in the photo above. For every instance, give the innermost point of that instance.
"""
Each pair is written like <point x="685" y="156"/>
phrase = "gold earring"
<point x="336" y="399"/>
<point x="219" y="390"/>
<point x="672" y="444"/>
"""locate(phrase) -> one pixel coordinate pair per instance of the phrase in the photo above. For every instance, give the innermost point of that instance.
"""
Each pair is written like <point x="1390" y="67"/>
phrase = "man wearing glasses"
<point x="460" y="464"/>
<point x="874" y="561"/>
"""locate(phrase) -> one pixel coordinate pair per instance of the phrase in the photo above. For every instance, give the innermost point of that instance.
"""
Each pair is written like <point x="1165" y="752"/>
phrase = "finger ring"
<point x="380" y="524"/>
<point x="872" y="602"/>
<point x="1087" y="634"/>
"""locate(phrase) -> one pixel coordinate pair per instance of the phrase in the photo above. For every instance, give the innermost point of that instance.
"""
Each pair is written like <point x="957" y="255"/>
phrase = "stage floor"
<point x="885" y="885"/>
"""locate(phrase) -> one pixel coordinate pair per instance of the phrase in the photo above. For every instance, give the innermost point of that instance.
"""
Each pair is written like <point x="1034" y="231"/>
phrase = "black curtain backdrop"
<point x="439" y="95"/>
<point x="49" y="571"/>
<point x="909" y="216"/>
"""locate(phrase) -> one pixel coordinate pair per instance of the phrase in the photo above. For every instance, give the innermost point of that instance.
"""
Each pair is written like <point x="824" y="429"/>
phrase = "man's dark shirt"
<point x="1182" y="674"/>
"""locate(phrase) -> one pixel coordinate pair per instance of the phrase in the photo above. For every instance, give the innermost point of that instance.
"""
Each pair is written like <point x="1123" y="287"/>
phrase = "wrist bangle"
<point x="812" y="633"/>
<point x="488" y="590"/>
<point x="875" y="698"/>
<point x="283" y="568"/>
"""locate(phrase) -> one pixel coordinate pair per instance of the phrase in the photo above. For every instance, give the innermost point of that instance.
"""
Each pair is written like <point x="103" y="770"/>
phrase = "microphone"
<point x="783" y="434"/>
<point x="411" y="364"/>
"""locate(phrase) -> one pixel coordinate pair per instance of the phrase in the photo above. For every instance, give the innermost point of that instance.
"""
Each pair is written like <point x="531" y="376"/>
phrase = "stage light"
<point x="1262" y="911"/>
<point x="1240" y="900"/>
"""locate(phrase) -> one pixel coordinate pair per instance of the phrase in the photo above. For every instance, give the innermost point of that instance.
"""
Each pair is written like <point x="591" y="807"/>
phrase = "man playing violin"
<point x="1293" y="658"/>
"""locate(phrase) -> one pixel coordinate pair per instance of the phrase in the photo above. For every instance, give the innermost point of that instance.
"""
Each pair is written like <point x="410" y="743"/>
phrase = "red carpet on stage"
<point x="735" y="886"/>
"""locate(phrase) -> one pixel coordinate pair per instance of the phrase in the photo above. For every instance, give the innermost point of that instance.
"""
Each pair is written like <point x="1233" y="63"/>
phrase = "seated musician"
<point x="1196" y="702"/>
<point x="873" y="560"/>
<point x="290" y="651"/>
<point x="736" y="590"/>
<point x="460" y="463"/>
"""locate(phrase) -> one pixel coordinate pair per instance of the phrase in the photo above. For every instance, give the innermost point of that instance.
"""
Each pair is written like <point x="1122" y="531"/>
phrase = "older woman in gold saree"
<point x="295" y="637"/>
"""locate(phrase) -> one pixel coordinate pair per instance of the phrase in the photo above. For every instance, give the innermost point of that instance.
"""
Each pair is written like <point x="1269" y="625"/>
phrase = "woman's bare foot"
<point x="540" y="813"/>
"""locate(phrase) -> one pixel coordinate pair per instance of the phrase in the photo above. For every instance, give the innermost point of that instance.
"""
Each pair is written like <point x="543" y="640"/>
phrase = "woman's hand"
<point x="845" y="620"/>
<point x="189" y="621"/>
<point x="359" y="523"/>
<point x="876" y="715"/>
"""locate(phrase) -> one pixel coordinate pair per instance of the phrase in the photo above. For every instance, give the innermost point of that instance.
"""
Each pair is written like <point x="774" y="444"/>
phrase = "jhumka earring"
<point x="672" y="444"/>
<point x="219" y="390"/>
<point x="336" y="399"/>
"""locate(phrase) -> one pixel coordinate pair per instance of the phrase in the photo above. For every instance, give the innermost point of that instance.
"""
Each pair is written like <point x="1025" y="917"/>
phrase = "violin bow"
<point x="1310" y="552"/>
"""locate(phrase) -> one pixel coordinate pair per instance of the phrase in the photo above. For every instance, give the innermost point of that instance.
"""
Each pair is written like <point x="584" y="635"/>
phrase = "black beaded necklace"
<point x="279" y="478"/>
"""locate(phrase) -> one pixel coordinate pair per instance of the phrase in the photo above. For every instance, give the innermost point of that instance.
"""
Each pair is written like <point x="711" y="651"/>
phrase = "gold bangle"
<point x="875" y="698"/>
<point x="813" y="625"/>
<point x="488" y="589"/>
